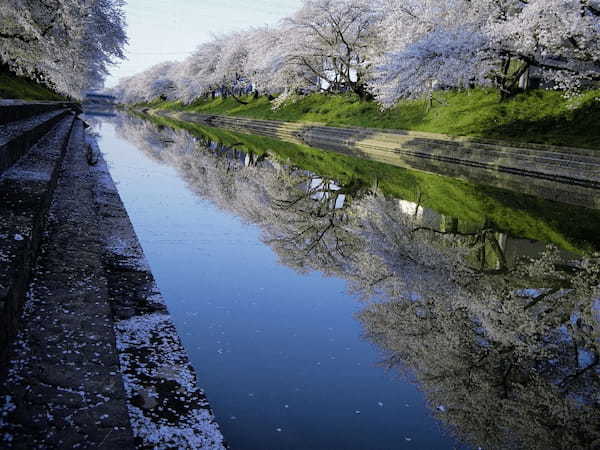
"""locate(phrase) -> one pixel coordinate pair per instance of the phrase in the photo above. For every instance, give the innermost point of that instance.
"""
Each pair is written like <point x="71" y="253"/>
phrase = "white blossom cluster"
<point x="66" y="44"/>
<point x="390" y="49"/>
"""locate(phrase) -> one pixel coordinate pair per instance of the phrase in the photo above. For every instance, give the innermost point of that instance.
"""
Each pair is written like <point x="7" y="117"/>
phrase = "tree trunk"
<point x="238" y="99"/>
<point x="361" y="90"/>
<point x="512" y="84"/>
<point x="524" y="80"/>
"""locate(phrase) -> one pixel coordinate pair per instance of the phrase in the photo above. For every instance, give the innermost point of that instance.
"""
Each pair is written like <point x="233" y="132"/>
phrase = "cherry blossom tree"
<point x="67" y="44"/>
<point x="557" y="37"/>
<point x="456" y="43"/>
<point x="431" y="45"/>
<point x="198" y="75"/>
<point x="393" y="50"/>
<point x="231" y="66"/>
<point x="155" y="82"/>
<point x="334" y="40"/>
<point x="452" y="58"/>
<point x="266" y="64"/>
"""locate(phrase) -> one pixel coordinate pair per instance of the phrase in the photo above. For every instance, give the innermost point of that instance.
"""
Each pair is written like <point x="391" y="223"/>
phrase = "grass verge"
<point x="15" y="87"/>
<point x="537" y="116"/>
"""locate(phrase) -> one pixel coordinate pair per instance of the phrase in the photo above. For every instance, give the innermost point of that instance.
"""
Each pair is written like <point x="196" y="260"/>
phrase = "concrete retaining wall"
<point x="570" y="175"/>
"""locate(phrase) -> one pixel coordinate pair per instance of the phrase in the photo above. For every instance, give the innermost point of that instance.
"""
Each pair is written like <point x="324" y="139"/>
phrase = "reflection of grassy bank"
<point x="569" y="227"/>
<point x="538" y="116"/>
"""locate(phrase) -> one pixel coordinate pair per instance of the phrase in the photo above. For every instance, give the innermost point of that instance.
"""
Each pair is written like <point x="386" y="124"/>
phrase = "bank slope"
<point x="15" y="87"/>
<point x="536" y="116"/>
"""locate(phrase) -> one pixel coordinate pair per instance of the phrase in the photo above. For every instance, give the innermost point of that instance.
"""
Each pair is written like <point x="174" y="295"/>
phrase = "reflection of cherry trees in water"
<point x="505" y="348"/>
<point x="504" y="365"/>
<point x="304" y="217"/>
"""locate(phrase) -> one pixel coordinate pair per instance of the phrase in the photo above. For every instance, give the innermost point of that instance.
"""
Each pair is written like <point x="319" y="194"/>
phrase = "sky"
<point x="166" y="30"/>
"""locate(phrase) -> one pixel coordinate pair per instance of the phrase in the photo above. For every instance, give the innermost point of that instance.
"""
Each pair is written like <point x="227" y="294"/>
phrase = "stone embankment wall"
<point x="90" y="355"/>
<point x="570" y="175"/>
<point x="25" y="194"/>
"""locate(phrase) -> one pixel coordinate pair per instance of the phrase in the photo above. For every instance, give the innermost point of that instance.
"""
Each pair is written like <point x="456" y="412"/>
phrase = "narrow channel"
<point x="280" y="354"/>
<point x="282" y="350"/>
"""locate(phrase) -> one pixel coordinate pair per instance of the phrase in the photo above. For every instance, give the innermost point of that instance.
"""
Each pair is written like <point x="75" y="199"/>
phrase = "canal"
<point x="326" y="303"/>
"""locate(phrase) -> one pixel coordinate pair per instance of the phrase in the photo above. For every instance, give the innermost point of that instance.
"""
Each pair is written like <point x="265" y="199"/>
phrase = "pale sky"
<point x="163" y="30"/>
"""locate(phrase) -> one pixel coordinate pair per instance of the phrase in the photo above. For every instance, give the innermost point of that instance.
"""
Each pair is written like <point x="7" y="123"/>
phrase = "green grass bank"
<point x="568" y="227"/>
<point x="16" y="87"/>
<point x="537" y="116"/>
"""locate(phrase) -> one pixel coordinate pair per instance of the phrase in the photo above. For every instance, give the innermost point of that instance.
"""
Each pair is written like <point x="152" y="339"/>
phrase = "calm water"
<point x="256" y="262"/>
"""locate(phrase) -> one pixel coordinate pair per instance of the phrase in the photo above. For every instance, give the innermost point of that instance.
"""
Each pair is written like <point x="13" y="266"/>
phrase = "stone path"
<point x="64" y="378"/>
<point x="96" y="362"/>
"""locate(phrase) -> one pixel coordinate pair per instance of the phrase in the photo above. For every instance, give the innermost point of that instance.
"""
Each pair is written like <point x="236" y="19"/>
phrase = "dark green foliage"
<point x="15" y="87"/>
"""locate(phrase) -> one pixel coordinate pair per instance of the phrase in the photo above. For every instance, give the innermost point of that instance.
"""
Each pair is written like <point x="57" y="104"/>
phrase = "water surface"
<point x="256" y="257"/>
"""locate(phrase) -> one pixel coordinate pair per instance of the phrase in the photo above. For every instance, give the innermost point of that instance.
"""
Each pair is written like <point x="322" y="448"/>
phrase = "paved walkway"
<point x="97" y="361"/>
<point x="64" y="378"/>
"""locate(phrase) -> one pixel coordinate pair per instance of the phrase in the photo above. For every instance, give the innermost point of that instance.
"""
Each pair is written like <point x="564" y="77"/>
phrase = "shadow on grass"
<point x="577" y="127"/>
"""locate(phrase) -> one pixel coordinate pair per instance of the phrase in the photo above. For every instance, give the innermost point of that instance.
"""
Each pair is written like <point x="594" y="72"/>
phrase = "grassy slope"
<point x="569" y="227"/>
<point x="12" y="86"/>
<point x="538" y="116"/>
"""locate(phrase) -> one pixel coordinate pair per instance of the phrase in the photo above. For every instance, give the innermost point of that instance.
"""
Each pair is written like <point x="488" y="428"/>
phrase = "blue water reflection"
<point x="280" y="354"/>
